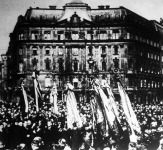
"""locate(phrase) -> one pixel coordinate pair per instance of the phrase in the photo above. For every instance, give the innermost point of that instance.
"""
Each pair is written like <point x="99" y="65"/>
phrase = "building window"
<point x="75" y="35"/>
<point x="47" y="35"/>
<point x="89" y="35"/>
<point x="34" y="35"/>
<point x="34" y="51"/>
<point x="75" y="65"/>
<point x="47" y="51"/>
<point x="21" y="36"/>
<point x="158" y="57"/>
<point x="90" y="50"/>
<point x="115" y="49"/>
<point x="91" y="63"/>
<point x="116" y="34"/>
<point x="103" y="65"/>
<point x="60" y="35"/>
<point x="75" y="51"/>
<point x="60" y="61"/>
<point x="68" y="35"/>
<point x="20" y="51"/>
<point x="34" y="63"/>
<point x="116" y="62"/>
<point x="103" y="35"/>
<point x="47" y="64"/>
<point x="60" y="51"/>
<point x="103" y="50"/>
<point x="75" y="82"/>
<point x="130" y="63"/>
<point x="82" y="35"/>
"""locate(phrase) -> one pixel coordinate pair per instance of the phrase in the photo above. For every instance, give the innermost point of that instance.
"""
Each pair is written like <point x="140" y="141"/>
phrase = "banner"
<point x="129" y="112"/>
<point x="72" y="111"/>
<point x="53" y="99"/>
<point x="107" y="109"/>
<point x="37" y="91"/>
<point x="25" y="99"/>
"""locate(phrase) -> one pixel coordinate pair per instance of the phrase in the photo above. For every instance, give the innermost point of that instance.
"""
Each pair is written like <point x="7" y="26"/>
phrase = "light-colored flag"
<point x="72" y="111"/>
<point x="25" y="99"/>
<point x="109" y="114"/>
<point x="36" y="90"/>
<point x="128" y="110"/>
<point x="53" y="99"/>
<point x="112" y="102"/>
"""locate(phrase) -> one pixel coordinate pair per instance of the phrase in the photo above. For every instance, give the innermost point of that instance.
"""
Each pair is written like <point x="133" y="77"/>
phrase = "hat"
<point x="132" y="144"/>
<point x="21" y="146"/>
<point x="62" y="142"/>
<point x="37" y="142"/>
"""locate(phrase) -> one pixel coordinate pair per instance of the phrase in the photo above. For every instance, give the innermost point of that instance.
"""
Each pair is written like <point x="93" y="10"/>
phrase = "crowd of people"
<point x="46" y="130"/>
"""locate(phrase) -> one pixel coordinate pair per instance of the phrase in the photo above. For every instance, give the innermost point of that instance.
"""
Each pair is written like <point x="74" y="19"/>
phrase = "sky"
<point x="11" y="9"/>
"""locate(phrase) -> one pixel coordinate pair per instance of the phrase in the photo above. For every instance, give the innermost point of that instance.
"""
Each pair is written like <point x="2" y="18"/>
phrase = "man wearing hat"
<point x="63" y="144"/>
<point x="37" y="144"/>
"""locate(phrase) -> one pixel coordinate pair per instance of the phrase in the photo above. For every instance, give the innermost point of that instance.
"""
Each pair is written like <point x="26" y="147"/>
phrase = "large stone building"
<point x="76" y="43"/>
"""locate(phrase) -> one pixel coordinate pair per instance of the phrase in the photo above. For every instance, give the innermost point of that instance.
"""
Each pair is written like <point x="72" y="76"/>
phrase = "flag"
<point x="108" y="114"/>
<point x="25" y="99"/>
<point x="128" y="111"/>
<point x="112" y="102"/>
<point x="106" y="105"/>
<point x="110" y="111"/>
<point x="72" y="111"/>
<point x="37" y="91"/>
<point x="53" y="99"/>
<point x="99" y="120"/>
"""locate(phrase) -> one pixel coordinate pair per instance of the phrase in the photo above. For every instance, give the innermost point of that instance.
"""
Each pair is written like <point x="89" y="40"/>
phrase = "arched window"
<point x="47" y="51"/>
<point x="34" y="51"/>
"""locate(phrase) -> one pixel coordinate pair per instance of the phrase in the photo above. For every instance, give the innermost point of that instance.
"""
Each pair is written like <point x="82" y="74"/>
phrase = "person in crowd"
<point x="37" y="144"/>
<point x="16" y="128"/>
<point x="160" y="147"/>
<point x="21" y="146"/>
<point x="62" y="145"/>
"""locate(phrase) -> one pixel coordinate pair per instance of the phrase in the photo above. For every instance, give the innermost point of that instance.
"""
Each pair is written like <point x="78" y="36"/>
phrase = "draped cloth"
<point x="37" y="91"/>
<point x="25" y="99"/>
<point x="53" y="99"/>
<point x="108" y="107"/>
<point x="128" y="111"/>
<point x="72" y="110"/>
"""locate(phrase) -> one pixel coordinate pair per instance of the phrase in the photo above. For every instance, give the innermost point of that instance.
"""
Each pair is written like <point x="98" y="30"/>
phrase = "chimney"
<point x="101" y="7"/>
<point x="161" y="21"/>
<point x="107" y="6"/>
<point x="52" y="7"/>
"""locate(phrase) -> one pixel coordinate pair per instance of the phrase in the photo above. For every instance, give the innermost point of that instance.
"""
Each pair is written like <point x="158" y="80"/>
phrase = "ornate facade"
<point x="76" y="43"/>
